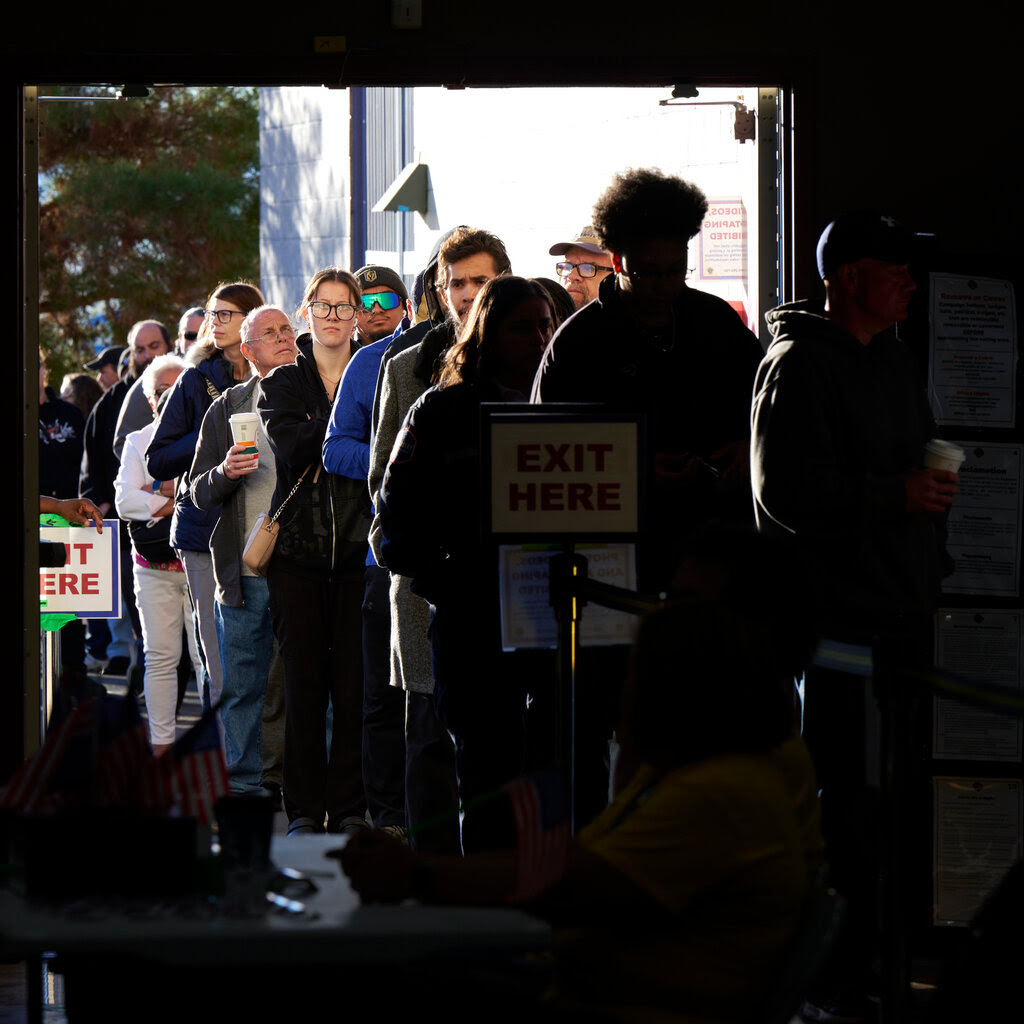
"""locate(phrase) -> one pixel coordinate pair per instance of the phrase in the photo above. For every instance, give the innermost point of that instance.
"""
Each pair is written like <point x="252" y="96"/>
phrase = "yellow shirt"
<point x="718" y="845"/>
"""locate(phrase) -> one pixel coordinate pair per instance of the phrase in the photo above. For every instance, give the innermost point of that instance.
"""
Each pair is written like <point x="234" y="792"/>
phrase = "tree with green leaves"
<point x="144" y="206"/>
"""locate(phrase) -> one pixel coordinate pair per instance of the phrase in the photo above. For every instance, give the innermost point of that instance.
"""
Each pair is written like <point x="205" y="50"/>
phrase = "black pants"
<point x="383" y="708"/>
<point x="317" y="622"/>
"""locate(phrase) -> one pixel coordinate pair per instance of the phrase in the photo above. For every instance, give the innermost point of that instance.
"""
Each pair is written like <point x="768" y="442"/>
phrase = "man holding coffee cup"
<point x="234" y="468"/>
<point x="840" y="426"/>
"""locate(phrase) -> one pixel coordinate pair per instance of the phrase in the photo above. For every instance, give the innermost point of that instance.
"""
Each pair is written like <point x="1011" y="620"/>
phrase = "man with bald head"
<point x="241" y="483"/>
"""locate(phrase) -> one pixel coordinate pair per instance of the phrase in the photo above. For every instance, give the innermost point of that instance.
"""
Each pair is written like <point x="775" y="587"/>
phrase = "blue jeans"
<point x="246" y="641"/>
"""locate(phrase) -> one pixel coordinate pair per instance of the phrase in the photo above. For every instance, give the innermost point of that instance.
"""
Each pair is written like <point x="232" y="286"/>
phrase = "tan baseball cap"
<point x="587" y="239"/>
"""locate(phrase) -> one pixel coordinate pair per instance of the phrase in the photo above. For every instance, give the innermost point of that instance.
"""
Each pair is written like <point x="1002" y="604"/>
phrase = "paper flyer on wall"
<point x="973" y="359"/>
<point x="527" y="618"/>
<point x="984" y="524"/>
<point x="976" y="838"/>
<point x="986" y="645"/>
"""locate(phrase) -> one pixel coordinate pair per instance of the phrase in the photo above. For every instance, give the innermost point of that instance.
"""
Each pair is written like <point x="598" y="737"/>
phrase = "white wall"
<point x="304" y="188"/>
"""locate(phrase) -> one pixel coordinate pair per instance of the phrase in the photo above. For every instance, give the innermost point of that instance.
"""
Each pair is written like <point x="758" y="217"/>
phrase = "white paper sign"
<point x="984" y="536"/>
<point x="527" y="618"/>
<point x="977" y="838"/>
<point x="89" y="584"/>
<point x="973" y="364"/>
<point x="986" y="645"/>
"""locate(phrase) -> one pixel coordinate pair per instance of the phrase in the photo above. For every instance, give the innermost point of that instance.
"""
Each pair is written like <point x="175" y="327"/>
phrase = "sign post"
<point x="563" y="474"/>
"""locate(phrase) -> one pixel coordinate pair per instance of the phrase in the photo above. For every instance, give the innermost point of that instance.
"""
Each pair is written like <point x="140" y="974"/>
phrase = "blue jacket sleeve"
<point x="173" y="447"/>
<point x="347" y="443"/>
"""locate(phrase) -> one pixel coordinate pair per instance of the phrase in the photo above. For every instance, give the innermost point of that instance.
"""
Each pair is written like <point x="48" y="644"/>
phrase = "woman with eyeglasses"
<point x="316" y="574"/>
<point x="216" y="364"/>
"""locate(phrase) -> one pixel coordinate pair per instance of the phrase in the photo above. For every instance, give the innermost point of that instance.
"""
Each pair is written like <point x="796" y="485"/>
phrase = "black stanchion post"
<point x="567" y="571"/>
<point x="891" y="692"/>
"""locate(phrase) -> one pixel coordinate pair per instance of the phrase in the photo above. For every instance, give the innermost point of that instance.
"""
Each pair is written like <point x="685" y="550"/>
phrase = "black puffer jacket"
<point x="325" y="524"/>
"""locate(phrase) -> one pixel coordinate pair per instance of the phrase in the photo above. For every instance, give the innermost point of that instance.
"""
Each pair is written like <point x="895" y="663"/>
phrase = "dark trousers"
<point x="383" y="708"/>
<point x="317" y="622"/>
<point x="431" y="793"/>
<point x="480" y="698"/>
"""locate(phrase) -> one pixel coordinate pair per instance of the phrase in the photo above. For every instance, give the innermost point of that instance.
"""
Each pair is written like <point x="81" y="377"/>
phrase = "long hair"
<point x="473" y="356"/>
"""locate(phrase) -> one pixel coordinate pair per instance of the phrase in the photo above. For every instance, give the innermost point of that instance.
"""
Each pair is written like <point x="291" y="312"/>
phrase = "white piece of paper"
<point x="984" y="645"/>
<point x="973" y="359"/>
<point x="976" y="839"/>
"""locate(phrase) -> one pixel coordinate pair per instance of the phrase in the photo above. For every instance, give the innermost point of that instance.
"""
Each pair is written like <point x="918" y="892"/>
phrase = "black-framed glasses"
<point x="322" y="310"/>
<point x="583" y="269"/>
<point x="221" y="315"/>
<point x="386" y="301"/>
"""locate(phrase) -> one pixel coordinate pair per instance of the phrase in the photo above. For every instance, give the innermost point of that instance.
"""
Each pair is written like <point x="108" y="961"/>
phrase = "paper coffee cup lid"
<point x="945" y="449"/>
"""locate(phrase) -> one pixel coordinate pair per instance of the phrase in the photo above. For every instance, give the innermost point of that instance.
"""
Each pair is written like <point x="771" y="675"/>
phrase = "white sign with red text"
<point x="564" y="477"/>
<point x="88" y="584"/>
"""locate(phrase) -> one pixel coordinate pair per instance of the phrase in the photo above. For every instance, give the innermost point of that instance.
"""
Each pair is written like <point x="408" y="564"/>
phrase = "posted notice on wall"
<point x="977" y="837"/>
<point x="983" y="645"/>
<point x="984" y="525"/>
<point x="527" y="618"/>
<point x="88" y="584"/>
<point x="973" y="358"/>
<point x="723" y="241"/>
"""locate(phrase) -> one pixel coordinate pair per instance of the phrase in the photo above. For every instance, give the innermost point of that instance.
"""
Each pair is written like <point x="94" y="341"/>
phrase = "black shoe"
<point x="273" y="791"/>
<point x="117" y="666"/>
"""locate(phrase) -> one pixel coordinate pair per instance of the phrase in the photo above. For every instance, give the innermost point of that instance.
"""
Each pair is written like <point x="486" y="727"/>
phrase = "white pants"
<point x="164" y="606"/>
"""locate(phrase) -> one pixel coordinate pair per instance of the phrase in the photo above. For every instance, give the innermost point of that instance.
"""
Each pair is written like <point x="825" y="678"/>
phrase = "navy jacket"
<point x="173" y="447"/>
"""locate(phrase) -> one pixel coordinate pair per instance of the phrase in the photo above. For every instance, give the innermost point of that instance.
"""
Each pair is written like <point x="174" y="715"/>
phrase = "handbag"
<point x="259" y="546"/>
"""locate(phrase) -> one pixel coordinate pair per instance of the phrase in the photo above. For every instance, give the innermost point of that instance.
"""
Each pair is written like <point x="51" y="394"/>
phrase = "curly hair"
<point x="473" y="355"/>
<point x="645" y="203"/>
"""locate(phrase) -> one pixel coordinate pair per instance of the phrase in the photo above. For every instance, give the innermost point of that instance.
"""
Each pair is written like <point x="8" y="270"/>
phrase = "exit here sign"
<point x="564" y="475"/>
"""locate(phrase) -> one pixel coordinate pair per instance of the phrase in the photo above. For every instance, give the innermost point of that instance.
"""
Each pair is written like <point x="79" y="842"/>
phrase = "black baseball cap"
<point x="865" y="234"/>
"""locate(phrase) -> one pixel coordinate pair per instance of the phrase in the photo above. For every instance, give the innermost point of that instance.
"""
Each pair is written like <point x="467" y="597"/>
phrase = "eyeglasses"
<point x="322" y="310"/>
<point x="221" y="315"/>
<point x="190" y="335"/>
<point x="583" y="269"/>
<point x="272" y="334"/>
<point x="386" y="301"/>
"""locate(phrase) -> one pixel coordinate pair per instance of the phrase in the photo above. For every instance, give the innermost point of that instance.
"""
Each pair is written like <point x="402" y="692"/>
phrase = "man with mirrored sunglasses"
<point x="385" y="310"/>
<point x="584" y="265"/>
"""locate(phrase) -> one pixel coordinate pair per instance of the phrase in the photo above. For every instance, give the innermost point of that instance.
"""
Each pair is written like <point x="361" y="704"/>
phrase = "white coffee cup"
<point x="243" y="430"/>
<point x="940" y="454"/>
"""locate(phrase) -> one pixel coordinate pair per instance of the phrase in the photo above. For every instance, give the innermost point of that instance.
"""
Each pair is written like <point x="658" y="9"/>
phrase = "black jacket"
<point x="324" y="526"/>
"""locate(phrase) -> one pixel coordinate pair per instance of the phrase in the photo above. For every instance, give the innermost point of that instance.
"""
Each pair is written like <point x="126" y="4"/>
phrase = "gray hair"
<point x="160" y="363"/>
<point x="253" y="314"/>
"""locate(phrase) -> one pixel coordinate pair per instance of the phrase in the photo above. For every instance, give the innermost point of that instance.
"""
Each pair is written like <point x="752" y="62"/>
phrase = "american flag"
<point x="541" y="814"/>
<point x="192" y="776"/>
<point x="30" y="790"/>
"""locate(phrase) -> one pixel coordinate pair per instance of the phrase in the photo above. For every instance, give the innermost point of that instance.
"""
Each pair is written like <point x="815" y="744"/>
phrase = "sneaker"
<point x="117" y="666"/>
<point x="396" y="832"/>
<point x="95" y="665"/>
<point x="303" y="827"/>
<point x="349" y="826"/>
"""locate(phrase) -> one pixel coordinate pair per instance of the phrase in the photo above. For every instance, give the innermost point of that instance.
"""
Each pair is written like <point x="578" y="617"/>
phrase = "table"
<point x="354" y="943"/>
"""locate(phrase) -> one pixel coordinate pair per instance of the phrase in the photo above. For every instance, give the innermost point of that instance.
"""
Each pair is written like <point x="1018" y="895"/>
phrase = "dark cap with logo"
<point x="863" y="235"/>
<point x="375" y="276"/>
